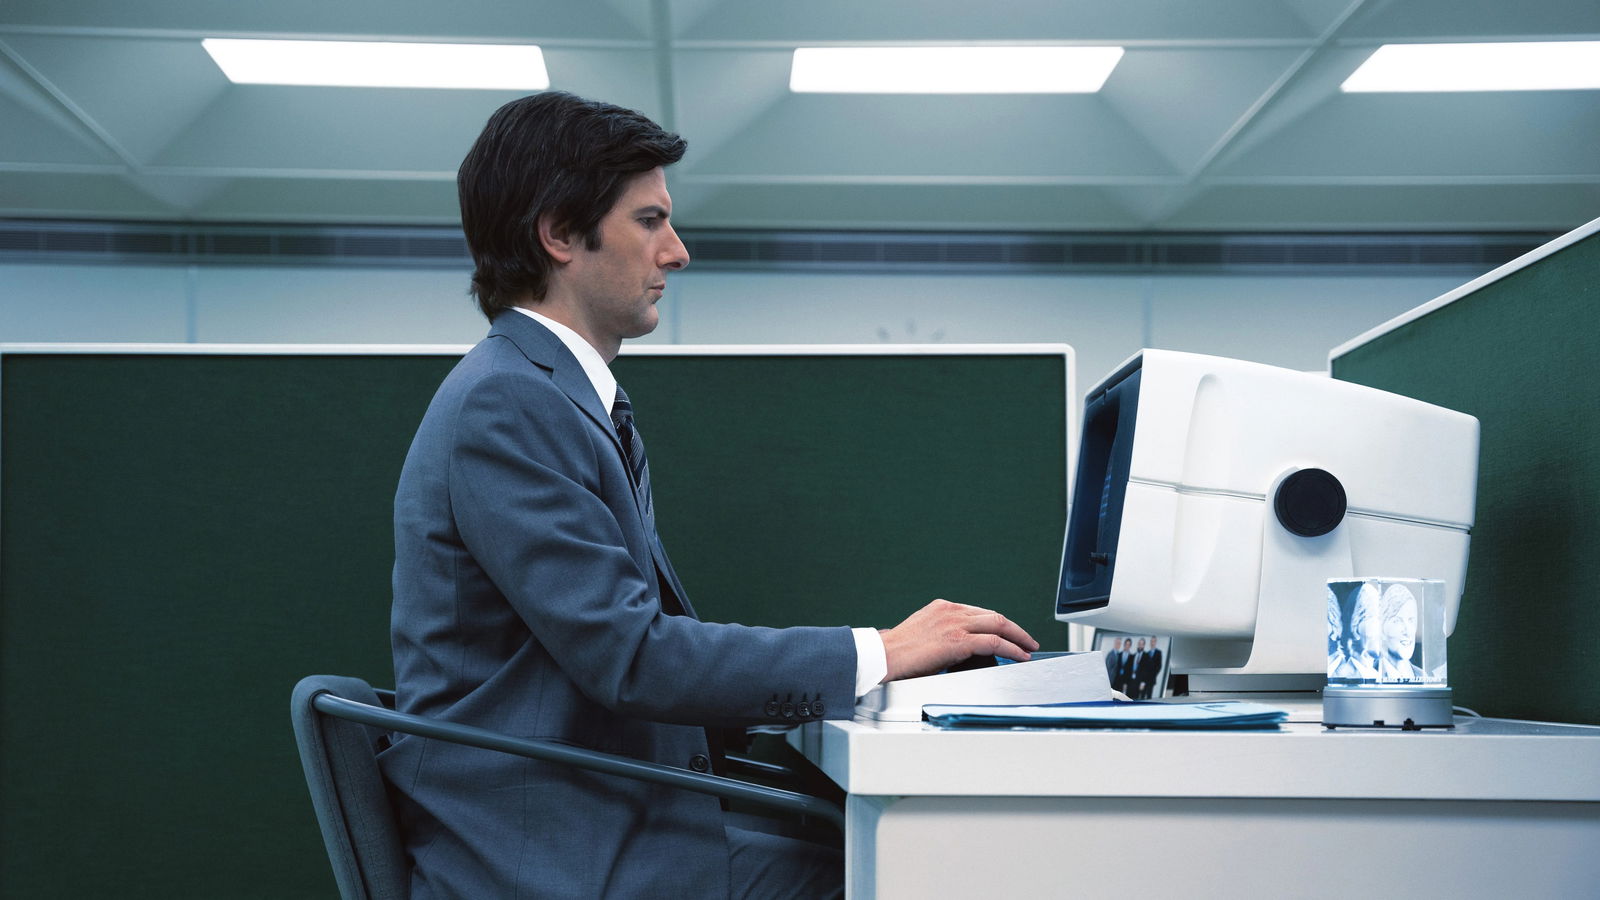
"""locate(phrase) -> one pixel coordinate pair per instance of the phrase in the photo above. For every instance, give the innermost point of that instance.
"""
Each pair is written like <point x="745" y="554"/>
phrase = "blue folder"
<point x="1222" y="714"/>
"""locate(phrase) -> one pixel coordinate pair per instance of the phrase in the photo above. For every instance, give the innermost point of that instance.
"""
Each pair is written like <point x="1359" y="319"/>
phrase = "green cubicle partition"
<point x="1519" y="349"/>
<point x="186" y="532"/>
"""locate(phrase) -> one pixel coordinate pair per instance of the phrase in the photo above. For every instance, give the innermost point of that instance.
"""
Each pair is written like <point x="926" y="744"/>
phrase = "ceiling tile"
<point x="1432" y="19"/>
<point x="925" y="135"/>
<point x="351" y="19"/>
<point x="356" y="129"/>
<point x="318" y="200"/>
<point x="1450" y="207"/>
<point x="624" y="77"/>
<point x="873" y="206"/>
<point x="1307" y="88"/>
<point x="720" y="93"/>
<point x="182" y="194"/>
<point x="1186" y="101"/>
<point x="1319" y="15"/>
<point x="1016" y="20"/>
<point x="75" y="196"/>
<point x="32" y="137"/>
<point x="36" y="109"/>
<point x="141" y="92"/>
<point x="1523" y="133"/>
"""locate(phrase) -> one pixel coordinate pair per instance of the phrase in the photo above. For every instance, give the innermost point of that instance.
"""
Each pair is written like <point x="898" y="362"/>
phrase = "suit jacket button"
<point x="788" y="710"/>
<point x="816" y="707"/>
<point x="804" y="709"/>
<point x="772" y="707"/>
<point x="699" y="763"/>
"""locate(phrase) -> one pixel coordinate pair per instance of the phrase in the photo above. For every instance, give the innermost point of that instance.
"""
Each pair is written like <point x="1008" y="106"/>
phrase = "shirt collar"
<point x="605" y="384"/>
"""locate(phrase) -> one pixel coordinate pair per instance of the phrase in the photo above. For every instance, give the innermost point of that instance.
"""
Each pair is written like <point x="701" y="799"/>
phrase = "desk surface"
<point x="1480" y="759"/>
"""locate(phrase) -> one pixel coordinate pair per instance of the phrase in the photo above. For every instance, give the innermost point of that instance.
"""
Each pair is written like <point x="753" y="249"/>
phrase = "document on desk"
<point x="1221" y="714"/>
<point x="1047" y="678"/>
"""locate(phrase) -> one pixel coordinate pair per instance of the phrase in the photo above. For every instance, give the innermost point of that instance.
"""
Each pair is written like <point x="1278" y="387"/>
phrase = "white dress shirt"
<point x="872" y="663"/>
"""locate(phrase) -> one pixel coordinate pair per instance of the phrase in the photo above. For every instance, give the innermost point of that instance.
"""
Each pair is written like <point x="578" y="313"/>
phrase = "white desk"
<point x="1493" y="808"/>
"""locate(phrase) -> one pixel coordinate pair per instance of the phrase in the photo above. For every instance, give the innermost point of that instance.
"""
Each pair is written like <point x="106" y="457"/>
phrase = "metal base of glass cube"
<point x="1408" y="707"/>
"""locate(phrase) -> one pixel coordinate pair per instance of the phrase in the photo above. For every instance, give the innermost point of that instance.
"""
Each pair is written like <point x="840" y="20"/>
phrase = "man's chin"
<point x="646" y="324"/>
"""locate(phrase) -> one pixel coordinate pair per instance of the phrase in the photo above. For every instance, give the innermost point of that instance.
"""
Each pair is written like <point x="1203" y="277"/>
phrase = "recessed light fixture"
<point x="1535" y="66"/>
<point x="518" y="67"/>
<point x="952" y="70"/>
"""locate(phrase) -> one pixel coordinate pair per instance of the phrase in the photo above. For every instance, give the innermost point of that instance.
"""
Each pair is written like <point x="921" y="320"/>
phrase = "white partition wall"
<point x="1280" y="320"/>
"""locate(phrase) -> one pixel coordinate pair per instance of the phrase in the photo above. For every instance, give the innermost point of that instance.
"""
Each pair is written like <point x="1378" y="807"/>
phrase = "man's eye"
<point x="651" y="221"/>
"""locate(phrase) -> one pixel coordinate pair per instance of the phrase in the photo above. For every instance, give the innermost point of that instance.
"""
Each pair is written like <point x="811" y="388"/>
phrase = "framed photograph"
<point x="1137" y="664"/>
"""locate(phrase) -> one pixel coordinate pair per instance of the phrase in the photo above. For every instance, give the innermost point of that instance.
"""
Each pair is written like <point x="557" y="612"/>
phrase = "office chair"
<point x="341" y="723"/>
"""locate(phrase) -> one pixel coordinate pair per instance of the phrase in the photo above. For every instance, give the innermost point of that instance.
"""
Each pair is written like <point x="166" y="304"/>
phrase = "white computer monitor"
<point x="1214" y="499"/>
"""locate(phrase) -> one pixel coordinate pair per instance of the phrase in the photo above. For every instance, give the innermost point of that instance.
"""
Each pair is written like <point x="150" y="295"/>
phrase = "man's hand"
<point x="944" y="633"/>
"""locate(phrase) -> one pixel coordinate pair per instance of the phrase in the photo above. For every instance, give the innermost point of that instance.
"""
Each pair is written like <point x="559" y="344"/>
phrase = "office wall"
<point x="1282" y="320"/>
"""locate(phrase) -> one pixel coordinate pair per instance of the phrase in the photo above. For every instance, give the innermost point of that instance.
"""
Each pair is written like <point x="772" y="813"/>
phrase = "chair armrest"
<point x="580" y="758"/>
<point x="748" y="766"/>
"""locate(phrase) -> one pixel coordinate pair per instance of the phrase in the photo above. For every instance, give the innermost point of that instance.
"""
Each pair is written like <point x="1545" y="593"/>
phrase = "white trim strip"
<point x="1521" y="262"/>
<point x="247" y="349"/>
<point x="848" y="349"/>
<point x="627" y="350"/>
<point x="1251" y="497"/>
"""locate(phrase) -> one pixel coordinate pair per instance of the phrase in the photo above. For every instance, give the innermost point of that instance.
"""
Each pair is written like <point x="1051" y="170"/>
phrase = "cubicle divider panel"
<point x="183" y="535"/>
<point x="1521" y="351"/>
<point x="852" y="489"/>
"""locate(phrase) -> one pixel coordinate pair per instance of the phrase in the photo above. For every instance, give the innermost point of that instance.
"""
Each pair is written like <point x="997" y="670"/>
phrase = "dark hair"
<point x="549" y="155"/>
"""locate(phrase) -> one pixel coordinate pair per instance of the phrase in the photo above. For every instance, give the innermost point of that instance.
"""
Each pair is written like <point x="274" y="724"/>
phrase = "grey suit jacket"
<point x="527" y="600"/>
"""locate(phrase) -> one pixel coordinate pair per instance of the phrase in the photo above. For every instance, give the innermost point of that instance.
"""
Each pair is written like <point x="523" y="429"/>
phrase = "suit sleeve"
<point x="529" y="479"/>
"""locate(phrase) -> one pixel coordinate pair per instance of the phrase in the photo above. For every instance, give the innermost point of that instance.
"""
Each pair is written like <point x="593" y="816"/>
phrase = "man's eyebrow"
<point x="652" y="210"/>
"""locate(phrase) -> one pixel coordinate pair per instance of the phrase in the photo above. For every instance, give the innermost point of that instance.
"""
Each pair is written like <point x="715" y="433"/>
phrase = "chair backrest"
<point x="348" y="792"/>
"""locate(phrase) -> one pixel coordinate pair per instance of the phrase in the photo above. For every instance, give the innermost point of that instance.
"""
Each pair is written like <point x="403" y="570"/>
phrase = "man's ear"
<point x="556" y="240"/>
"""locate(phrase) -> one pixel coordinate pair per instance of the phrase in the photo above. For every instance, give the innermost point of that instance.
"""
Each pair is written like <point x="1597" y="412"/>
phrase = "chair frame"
<point x="336" y="830"/>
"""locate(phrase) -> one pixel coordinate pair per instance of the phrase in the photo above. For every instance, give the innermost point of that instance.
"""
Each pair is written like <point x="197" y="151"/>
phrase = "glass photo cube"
<point x="1386" y="631"/>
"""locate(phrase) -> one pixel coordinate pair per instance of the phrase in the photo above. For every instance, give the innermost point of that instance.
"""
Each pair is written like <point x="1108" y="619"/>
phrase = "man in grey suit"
<point x="532" y="594"/>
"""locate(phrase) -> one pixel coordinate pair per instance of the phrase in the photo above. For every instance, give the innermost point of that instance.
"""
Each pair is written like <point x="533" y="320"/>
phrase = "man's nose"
<point x="675" y="255"/>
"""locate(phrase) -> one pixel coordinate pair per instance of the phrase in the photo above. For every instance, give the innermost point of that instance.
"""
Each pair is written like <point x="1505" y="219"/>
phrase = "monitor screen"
<point x="1095" y="520"/>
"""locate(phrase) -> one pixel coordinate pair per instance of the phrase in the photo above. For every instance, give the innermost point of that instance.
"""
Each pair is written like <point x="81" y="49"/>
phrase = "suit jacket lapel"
<point x="544" y="349"/>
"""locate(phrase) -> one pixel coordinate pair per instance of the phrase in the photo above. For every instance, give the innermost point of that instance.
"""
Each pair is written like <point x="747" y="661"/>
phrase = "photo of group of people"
<point x="1372" y="632"/>
<point x="1136" y="664"/>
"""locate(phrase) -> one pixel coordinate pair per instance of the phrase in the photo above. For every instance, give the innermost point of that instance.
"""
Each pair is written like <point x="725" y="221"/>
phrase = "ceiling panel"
<point x="49" y="194"/>
<point x="916" y="136"/>
<point x="612" y="20"/>
<point x="1522" y="133"/>
<point x="160" y="85"/>
<point x="1220" y="116"/>
<point x="829" y="21"/>
<point x="31" y="139"/>
<point x="321" y="200"/>
<point x="1187" y="102"/>
<point x="942" y="207"/>
<point x="1389" y="207"/>
<point x="356" y="130"/>
<point x="1431" y="20"/>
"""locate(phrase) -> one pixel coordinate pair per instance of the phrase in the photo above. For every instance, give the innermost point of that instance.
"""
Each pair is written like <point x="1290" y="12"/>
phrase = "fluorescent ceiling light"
<point x="518" y="67"/>
<point x="1539" y="66"/>
<point x="952" y="70"/>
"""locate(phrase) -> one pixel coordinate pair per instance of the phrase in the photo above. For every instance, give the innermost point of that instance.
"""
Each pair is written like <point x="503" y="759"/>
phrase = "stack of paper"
<point x="1109" y="714"/>
<point x="1047" y="678"/>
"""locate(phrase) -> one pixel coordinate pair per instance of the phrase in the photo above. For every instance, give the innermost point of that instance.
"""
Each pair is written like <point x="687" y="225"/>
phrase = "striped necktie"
<point x="633" y="450"/>
<point x="672" y="599"/>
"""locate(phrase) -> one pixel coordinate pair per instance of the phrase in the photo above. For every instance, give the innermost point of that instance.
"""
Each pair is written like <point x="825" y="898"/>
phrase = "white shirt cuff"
<point x="872" y="663"/>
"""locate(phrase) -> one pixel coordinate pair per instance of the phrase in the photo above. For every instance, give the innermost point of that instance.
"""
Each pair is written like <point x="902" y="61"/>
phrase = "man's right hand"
<point x="944" y="633"/>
